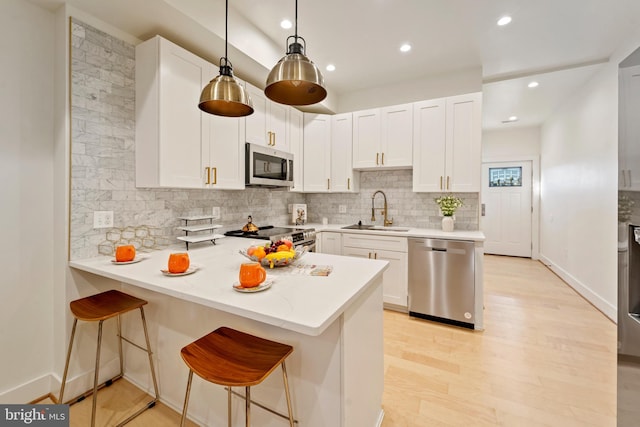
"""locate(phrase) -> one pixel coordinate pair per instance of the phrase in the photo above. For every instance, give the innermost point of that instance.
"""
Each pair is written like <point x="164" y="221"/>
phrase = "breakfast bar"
<point x="334" y="323"/>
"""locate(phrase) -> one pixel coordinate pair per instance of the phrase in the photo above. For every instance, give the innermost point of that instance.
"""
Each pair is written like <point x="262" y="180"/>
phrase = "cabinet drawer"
<point x="368" y="241"/>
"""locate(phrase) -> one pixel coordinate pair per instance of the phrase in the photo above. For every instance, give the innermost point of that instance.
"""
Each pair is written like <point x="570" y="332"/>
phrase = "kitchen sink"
<point x="373" y="227"/>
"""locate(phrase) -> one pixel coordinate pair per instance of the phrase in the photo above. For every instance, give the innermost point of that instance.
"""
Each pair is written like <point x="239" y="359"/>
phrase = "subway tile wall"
<point x="407" y="208"/>
<point x="103" y="174"/>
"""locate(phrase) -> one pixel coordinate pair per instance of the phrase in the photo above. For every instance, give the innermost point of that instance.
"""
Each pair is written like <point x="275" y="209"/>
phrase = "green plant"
<point x="448" y="204"/>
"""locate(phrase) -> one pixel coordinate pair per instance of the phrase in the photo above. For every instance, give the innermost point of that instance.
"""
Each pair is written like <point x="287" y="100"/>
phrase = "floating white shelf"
<point x="199" y="227"/>
<point x="202" y="237"/>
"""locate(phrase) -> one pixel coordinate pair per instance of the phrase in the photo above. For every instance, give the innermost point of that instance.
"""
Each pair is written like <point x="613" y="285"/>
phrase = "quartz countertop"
<point x="475" y="235"/>
<point x="296" y="301"/>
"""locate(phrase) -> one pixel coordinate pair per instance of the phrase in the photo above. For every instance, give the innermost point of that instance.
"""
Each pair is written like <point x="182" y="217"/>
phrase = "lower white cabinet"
<point x="330" y="243"/>
<point x="388" y="248"/>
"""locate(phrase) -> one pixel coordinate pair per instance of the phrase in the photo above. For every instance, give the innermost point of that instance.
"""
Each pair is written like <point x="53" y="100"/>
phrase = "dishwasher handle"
<point x="437" y="249"/>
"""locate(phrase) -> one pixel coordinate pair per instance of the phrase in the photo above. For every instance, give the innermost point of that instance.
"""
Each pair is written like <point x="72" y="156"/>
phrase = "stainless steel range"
<point x="301" y="237"/>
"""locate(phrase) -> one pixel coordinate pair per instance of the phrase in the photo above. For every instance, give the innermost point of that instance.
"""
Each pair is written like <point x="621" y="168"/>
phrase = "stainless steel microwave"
<point x="267" y="167"/>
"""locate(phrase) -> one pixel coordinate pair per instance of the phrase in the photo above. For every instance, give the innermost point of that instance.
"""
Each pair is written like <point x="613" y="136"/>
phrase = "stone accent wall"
<point x="407" y="208"/>
<point x="103" y="166"/>
<point x="103" y="170"/>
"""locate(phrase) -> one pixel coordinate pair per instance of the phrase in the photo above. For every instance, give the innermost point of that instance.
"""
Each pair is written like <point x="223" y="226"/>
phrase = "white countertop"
<point x="476" y="236"/>
<point x="297" y="302"/>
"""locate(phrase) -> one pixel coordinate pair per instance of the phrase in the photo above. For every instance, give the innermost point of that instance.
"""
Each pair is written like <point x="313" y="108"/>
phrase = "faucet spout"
<point x="387" y="221"/>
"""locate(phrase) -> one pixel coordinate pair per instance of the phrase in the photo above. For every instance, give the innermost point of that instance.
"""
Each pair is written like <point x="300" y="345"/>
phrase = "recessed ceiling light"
<point x="405" y="47"/>
<point x="513" y="118"/>
<point x="504" y="20"/>
<point x="331" y="67"/>
<point x="533" y="84"/>
<point x="286" y="24"/>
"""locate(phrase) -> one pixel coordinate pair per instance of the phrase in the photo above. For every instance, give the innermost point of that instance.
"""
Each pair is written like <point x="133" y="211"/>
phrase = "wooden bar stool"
<point x="98" y="308"/>
<point x="235" y="359"/>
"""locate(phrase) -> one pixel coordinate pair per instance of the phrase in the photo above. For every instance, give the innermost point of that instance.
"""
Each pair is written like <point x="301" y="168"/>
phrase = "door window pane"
<point x="505" y="177"/>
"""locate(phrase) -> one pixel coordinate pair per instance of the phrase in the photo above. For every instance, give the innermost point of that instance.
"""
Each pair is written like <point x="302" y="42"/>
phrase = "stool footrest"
<point x="88" y="393"/>
<point x="261" y="406"/>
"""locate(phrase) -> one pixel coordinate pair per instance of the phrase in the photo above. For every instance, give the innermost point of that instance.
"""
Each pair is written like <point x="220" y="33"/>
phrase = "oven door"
<point x="268" y="167"/>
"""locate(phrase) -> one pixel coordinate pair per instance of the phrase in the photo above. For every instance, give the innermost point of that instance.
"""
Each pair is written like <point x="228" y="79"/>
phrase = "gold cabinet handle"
<point x="215" y="175"/>
<point x="447" y="182"/>
<point x="348" y="183"/>
<point x="441" y="182"/>
<point x="369" y="255"/>
<point x="375" y="255"/>
<point x="208" y="169"/>
<point x="377" y="155"/>
<point x="382" y="159"/>
<point x="328" y="183"/>
<point x="273" y="134"/>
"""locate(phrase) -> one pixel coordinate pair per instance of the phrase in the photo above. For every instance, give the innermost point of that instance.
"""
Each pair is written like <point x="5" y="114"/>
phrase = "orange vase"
<point x="178" y="262"/>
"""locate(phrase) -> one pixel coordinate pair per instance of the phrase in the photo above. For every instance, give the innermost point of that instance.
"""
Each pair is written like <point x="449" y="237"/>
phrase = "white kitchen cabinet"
<point x="330" y="242"/>
<point x="446" y="144"/>
<point x="177" y="145"/>
<point x="170" y="129"/>
<point x="343" y="178"/>
<point x="268" y="123"/>
<point x="629" y="129"/>
<point x="388" y="248"/>
<point x="296" y="127"/>
<point x="383" y="137"/>
<point x="317" y="153"/>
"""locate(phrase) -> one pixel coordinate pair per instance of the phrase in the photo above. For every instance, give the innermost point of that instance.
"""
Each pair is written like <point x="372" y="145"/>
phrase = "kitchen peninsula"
<point x="333" y="322"/>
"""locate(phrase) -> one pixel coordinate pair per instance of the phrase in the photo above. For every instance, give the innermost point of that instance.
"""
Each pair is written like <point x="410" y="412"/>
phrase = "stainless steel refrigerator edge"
<point x="628" y="412"/>
<point x="442" y="281"/>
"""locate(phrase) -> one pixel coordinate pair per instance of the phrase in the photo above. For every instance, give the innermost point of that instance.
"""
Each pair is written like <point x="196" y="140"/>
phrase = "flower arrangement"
<point x="448" y="204"/>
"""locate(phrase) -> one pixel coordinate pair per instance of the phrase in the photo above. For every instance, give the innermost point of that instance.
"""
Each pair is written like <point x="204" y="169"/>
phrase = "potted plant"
<point x="448" y="205"/>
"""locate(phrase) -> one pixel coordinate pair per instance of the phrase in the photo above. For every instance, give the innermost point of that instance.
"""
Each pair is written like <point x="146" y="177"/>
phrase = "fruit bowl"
<point x="275" y="258"/>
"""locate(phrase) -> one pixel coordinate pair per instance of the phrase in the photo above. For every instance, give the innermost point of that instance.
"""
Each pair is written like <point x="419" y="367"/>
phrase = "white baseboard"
<point x="380" y="418"/>
<point x="29" y="391"/>
<point x="596" y="300"/>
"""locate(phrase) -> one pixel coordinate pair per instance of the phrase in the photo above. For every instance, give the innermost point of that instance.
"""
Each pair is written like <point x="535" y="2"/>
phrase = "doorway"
<point x="506" y="208"/>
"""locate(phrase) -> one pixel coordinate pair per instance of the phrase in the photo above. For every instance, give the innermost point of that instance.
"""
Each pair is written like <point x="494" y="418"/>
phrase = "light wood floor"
<point x="546" y="358"/>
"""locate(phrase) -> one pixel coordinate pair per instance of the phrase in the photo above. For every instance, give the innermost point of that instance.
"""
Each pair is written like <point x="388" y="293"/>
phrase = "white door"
<point x="505" y="210"/>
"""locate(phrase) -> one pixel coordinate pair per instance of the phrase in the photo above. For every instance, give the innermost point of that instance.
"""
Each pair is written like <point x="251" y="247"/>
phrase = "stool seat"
<point x="233" y="358"/>
<point x="104" y="305"/>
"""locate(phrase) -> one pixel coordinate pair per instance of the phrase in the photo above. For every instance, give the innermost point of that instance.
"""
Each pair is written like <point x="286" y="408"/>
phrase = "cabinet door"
<point x="226" y="160"/>
<point x="342" y="175"/>
<point x="366" y="139"/>
<point x="317" y="152"/>
<point x="463" y="151"/>
<point x="170" y="129"/>
<point x="256" y="123"/>
<point x="396" y="142"/>
<point x="429" y="145"/>
<point x="296" y="147"/>
<point x="629" y="129"/>
<point x="277" y="125"/>
<point x="395" y="278"/>
<point x="331" y="243"/>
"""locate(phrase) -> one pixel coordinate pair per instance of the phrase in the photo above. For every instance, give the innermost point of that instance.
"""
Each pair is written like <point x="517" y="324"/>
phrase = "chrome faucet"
<point x="387" y="222"/>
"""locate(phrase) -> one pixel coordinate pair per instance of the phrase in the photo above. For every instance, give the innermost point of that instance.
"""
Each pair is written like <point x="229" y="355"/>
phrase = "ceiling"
<point x="559" y="43"/>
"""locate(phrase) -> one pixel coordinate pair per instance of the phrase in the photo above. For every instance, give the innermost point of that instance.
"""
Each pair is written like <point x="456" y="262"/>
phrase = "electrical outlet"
<point x="102" y="219"/>
<point x="342" y="209"/>
<point x="290" y="208"/>
<point x="215" y="212"/>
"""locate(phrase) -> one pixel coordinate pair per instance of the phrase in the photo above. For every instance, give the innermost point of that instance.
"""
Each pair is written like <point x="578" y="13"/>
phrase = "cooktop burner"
<point x="269" y="232"/>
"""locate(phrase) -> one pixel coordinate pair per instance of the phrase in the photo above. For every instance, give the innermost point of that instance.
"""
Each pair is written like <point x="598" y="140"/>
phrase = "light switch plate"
<point x="215" y="212"/>
<point x="342" y="209"/>
<point x="102" y="219"/>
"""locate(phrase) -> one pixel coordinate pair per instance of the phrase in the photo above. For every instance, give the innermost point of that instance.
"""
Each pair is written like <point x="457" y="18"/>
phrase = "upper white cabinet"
<point x="383" y="137"/>
<point x="629" y="129"/>
<point x="177" y="145"/>
<point x="343" y="177"/>
<point x="317" y="153"/>
<point x="268" y="123"/>
<point x="296" y="147"/>
<point x="446" y="144"/>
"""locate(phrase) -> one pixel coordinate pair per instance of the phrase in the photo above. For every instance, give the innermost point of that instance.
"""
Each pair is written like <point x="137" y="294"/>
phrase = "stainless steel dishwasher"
<point x="442" y="281"/>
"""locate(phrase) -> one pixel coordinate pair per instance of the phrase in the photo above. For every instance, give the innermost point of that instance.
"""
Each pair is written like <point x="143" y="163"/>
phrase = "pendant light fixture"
<point x="295" y="79"/>
<point x="224" y="96"/>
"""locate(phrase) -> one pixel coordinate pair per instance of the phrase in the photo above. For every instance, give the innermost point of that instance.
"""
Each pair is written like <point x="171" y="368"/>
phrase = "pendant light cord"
<point x="296" y="36"/>
<point x="226" y="29"/>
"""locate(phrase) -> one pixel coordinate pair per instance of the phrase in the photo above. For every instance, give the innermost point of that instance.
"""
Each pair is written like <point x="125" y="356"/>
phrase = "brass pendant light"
<point x="295" y="79"/>
<point x="224" y="96"/>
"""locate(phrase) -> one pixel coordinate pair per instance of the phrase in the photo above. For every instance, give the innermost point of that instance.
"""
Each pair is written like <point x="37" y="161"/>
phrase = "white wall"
<point x="511" y="143"/>
<point x="26" y="171"/>
<point x="579" y="146"/>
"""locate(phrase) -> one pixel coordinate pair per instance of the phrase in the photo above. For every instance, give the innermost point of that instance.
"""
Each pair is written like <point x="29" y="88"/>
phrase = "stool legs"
<point x="94" y="404"/>
<point x="286" y="392"/>
<point x="247" y="407"/>
<point x="66" y="364"/>
<point x="186" y="401"/>
<point x="229" y="406"/>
